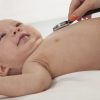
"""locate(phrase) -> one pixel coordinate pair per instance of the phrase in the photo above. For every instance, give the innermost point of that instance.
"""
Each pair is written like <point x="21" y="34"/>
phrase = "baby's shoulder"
<point x="38" y="58"/>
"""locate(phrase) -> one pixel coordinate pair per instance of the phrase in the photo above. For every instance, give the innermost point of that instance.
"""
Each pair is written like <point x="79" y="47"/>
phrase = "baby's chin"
<point x="25" y="38"/>
<point x="30" y="46"/>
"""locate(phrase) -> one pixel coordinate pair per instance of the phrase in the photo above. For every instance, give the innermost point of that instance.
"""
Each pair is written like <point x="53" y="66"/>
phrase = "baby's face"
<point x="17" y="42"/>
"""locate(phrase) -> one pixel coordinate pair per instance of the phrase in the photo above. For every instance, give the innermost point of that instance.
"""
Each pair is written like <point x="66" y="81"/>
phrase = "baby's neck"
<point x="38" y="44"/>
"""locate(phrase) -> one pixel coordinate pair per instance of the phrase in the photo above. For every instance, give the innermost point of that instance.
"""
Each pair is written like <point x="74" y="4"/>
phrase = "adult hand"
<point x="79" y="7"/>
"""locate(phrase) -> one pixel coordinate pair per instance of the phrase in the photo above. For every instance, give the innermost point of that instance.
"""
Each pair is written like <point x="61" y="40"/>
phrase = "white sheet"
<point x="75" y="86"/>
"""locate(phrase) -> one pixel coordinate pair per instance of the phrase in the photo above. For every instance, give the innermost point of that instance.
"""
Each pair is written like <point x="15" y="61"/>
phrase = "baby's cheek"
<point x="34" y="32"/>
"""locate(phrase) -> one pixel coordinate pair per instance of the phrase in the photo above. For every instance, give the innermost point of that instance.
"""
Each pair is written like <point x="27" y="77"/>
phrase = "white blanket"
<point x="75" y="86"/>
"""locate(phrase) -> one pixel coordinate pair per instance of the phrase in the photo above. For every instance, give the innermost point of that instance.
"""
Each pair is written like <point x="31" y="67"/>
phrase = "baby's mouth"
<point x="23" y="38"/>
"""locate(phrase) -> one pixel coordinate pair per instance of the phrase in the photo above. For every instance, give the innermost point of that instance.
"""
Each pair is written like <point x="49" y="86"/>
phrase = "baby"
<point x="28" y="63"/>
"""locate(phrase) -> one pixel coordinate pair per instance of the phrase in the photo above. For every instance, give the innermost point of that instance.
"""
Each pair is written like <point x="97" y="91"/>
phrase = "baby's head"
<point x="17" y="42"/>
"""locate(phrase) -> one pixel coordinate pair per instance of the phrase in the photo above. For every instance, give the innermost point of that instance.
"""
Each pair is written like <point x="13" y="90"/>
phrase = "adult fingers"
<point x="79" y="12"/>
<point x="73" y="6"/>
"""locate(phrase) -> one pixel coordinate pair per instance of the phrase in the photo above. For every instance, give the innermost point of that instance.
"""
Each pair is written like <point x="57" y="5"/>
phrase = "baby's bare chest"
<point x="55" y="53"/>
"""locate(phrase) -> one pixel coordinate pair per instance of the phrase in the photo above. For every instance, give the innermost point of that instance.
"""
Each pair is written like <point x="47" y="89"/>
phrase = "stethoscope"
<point x="68" y="22"/>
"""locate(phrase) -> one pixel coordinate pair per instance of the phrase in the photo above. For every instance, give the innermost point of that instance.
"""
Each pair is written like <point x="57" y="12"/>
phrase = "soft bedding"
<point x="83" y="85"/>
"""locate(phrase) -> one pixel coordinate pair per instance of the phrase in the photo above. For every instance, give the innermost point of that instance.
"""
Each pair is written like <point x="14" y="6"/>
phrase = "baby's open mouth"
<point x="23" y="38"/>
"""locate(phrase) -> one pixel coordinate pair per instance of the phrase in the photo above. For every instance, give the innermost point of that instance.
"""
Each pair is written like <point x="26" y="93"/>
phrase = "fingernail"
<point x="73" y="17"/>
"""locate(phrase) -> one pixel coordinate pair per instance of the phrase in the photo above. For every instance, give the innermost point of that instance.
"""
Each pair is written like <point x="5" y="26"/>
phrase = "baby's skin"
<point x="28" y="63"/>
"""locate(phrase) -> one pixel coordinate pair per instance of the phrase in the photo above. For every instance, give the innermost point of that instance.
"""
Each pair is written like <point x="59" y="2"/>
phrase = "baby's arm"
<point x="34" y="78"/>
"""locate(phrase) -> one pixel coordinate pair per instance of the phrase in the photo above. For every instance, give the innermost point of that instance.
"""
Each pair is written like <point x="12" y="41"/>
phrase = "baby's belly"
<point x="69" y="50"/>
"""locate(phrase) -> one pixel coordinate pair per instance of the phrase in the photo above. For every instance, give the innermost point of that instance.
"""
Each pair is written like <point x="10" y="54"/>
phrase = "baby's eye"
<point x="18" y="24"/>
<point x="2" y="35"/>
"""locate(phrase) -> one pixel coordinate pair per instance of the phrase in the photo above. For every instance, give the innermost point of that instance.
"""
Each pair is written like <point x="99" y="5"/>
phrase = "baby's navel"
<point x="57" y="40"/>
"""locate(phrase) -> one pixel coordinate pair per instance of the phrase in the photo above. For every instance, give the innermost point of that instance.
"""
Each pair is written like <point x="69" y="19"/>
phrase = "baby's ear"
<point x="3" y="70"/>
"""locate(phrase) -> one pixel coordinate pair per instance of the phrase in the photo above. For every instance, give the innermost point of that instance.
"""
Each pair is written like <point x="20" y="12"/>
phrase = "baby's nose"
<point x="17" y="30"/>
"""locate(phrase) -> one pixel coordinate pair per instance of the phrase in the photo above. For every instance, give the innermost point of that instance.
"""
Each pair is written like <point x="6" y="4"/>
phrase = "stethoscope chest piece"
<point x="66" y="23"/>
<point x="61" y="25"/>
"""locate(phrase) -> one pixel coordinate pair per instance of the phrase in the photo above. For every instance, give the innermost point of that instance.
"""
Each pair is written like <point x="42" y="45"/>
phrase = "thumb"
<point x="79" y="12"/>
